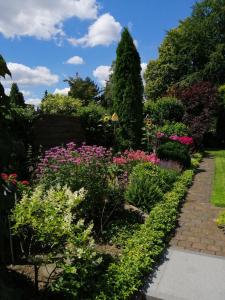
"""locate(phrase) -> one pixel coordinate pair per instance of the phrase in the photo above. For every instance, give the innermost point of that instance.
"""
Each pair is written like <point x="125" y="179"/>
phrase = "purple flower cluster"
<point x="71" y="154"/>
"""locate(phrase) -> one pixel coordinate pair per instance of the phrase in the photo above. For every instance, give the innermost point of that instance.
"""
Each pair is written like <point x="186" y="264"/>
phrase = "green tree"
<point x="194" y="51"/>
<point x="84" y="89"/>
<point x="4" y="100"/>
<point x="127" y="91"/>
<point x="16" y="97"/>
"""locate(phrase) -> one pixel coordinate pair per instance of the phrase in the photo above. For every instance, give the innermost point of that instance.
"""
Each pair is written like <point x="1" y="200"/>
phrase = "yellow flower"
<point x="148" y="122"/>
<point x="115" y="117"/>
<point x="106" y="119"/>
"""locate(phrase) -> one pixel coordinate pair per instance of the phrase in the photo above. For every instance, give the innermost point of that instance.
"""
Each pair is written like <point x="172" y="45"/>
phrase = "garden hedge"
<point x="144" y="248"/>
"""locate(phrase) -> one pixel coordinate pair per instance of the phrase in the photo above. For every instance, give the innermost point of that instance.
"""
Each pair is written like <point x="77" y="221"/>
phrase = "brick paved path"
<point x="197" y="230"/>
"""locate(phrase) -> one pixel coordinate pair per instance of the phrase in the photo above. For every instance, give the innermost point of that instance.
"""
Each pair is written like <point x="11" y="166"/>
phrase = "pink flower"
<point x="159" y="135"/>
<point x="24" y="182"/>
<point x="119" y="160"/>
<point x="185" y="140"/>
<point x="4" y="176"/>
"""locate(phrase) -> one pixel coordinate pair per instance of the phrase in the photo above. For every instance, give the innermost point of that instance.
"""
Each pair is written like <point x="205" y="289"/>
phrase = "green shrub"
<point x="166" y="108"/>
<point x="97" y="131"/>
<point x="49" y="219"/>
<point x="60" y="104"/>
<point x="144" y="248"/>
<point x="147" y="184"/>
<point x="174" y="128"/>
<point x="174" y="151"/>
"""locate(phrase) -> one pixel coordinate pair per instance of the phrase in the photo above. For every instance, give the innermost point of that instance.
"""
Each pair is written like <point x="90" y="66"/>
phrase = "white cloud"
<point x="62" y="91"/>
<point x="34" y="101"/>
<point x="75" y="60"/>
<point x="102" y="74"/>
<point x="143" y="69"/>
<point x="104" y="31"/>
<point x="26" y="76"/>
<point x="42" y="19"/>
<point x="136" y="43"/>
<point x="26" y="93"/>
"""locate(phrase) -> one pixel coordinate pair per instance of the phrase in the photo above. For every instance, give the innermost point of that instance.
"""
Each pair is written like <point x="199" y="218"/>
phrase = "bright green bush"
<point x="60" y="104"/>
<point x="147" y="184"/>
<point x="166" y="108"/>
<point x="174" y="151"/>
<point x="146" y="245"/>
<point x="174" y="128"/>
<point x="48" y="220"/>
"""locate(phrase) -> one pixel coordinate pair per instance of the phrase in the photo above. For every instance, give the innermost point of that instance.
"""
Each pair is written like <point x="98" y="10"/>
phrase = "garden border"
<point x="145" y="247"/>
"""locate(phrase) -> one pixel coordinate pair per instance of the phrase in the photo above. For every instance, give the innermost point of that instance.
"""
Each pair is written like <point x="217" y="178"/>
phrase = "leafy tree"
<point x="16" y="97"/>
<point x="3" y="67"/>
<point x="60" y="104"/>
<point x="3" y="98"/>
<point x="127" y="91"/>
<point x="84" y="89"/>
<point x="192" y="52"/>
<point x="200" y="102"/>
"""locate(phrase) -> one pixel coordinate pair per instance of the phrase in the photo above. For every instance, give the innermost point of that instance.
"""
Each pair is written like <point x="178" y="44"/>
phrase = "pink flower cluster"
<point x="71" y="154"/>
<point x="138" y="155"/>
<point x="185" y="140"/>
<point x="159" y="135"/>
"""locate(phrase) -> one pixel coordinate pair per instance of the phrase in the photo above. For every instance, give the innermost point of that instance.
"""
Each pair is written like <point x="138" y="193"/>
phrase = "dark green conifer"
<point x="127" y="91"/>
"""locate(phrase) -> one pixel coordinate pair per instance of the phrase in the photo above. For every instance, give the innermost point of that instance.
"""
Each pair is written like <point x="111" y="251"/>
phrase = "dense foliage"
<point x="164" y="109"/>
<point x="84" y="89"/>
<point x="192" y="52"/>
<point x="60" y="104"/>
<point x="200" y="102"/>
<point x="127" y="91"/>
<point x="176" y="151"/>
<point x="147" y="185"/>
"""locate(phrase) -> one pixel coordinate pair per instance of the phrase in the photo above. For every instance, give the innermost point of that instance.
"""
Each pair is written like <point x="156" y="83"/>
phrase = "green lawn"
<point x="218" y="193"/>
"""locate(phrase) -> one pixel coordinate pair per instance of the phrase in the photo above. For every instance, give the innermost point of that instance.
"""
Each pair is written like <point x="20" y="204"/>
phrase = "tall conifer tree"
<point x="127" y="91"/>
<point x="16" y="97"/>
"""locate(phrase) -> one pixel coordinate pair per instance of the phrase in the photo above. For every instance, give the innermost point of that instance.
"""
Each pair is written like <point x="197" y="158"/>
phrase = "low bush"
<point x="174" y="151"/>
<point x="143" y="249"/>
<point x="173" y="128"/>
<point x="147" y="184"/>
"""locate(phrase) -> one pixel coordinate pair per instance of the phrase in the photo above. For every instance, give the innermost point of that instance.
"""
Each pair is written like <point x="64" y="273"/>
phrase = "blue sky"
<point x="46" y="41"/>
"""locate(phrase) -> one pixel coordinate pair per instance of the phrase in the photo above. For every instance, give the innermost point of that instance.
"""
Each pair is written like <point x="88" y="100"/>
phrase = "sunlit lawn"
<point x="218" y="192"/>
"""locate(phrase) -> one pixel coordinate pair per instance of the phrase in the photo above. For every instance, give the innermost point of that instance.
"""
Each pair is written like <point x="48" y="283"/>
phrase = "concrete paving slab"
<point x="187" y="275"/>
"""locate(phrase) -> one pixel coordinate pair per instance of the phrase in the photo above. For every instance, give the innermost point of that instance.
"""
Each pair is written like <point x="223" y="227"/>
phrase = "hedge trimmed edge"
<point x="125" y="277"/>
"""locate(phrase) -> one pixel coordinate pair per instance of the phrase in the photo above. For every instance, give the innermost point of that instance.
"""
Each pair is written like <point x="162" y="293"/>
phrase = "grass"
<point x="218" y="193"/>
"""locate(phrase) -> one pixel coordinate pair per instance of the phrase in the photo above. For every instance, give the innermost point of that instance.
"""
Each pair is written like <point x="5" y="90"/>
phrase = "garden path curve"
<point x="197" y="230"/>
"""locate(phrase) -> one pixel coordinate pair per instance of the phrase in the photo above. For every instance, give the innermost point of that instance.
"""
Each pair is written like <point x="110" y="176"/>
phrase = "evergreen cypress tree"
<point x="16" y="97"/>
<point x="127" y="91"/>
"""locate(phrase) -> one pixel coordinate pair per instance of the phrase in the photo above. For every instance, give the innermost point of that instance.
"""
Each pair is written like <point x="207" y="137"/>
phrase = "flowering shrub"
<point x="71" y="154"/>
<point x="135" y="156"/>
<point x="78" y="167"/>
<point x="12" y="183"/>
<point x="185" y="140"/>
